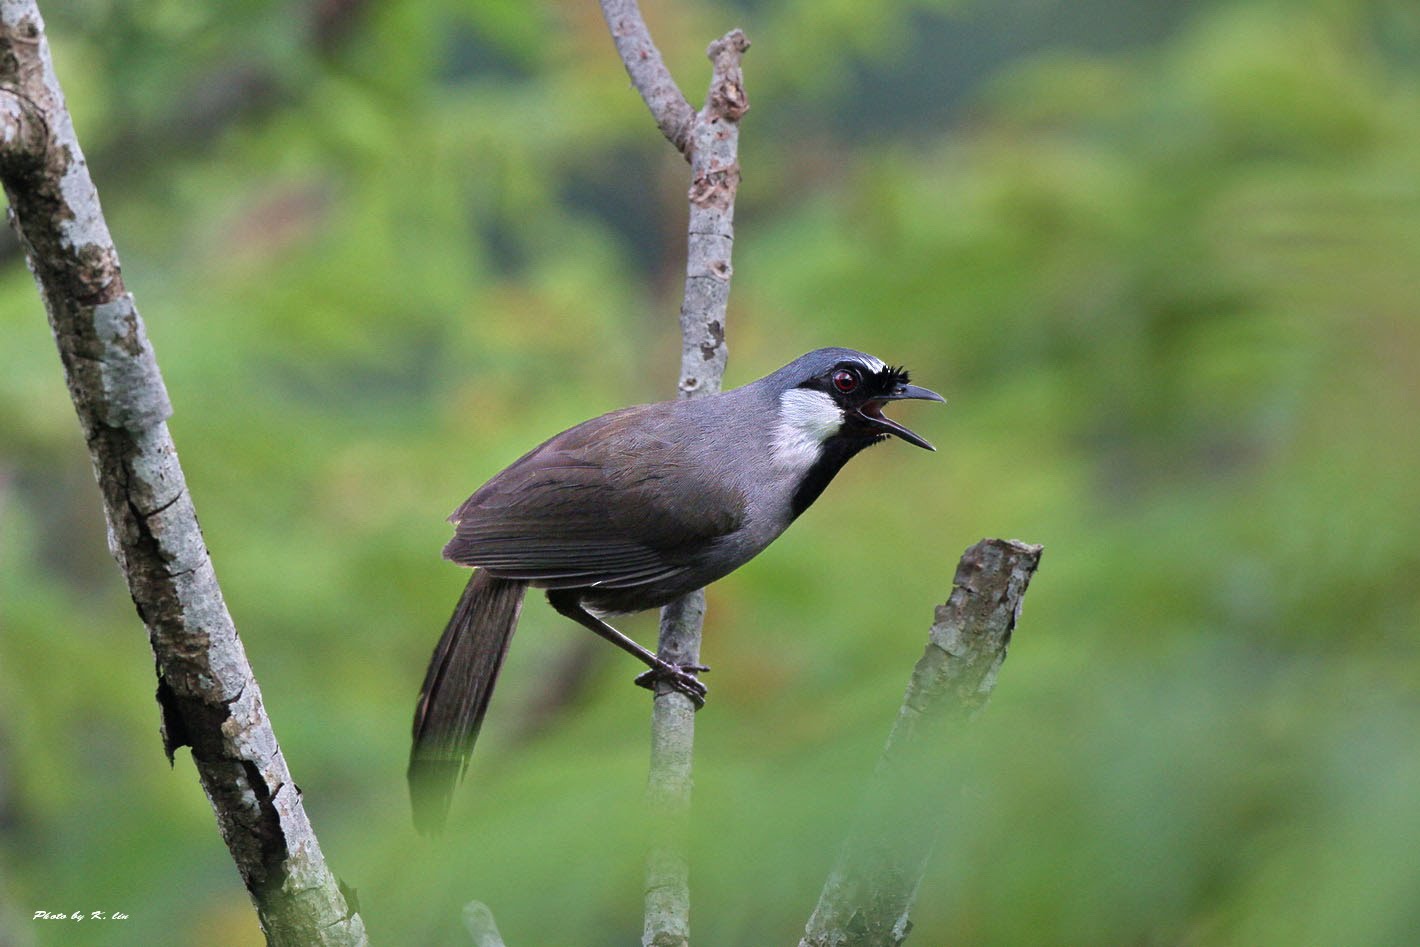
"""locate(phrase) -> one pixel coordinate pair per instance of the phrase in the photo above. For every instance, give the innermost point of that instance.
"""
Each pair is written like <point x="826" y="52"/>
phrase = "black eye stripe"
<point x="872" y="378"/>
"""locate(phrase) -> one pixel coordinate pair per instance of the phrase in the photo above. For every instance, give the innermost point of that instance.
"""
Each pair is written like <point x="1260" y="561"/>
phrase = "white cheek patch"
<point x="807" y="418"/>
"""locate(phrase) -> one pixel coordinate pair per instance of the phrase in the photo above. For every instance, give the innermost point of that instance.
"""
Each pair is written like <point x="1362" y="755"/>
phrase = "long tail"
<point x="456" y="689"/>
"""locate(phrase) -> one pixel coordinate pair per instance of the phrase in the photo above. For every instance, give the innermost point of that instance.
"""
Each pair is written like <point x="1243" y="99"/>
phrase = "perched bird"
<point x="631" y="510"/>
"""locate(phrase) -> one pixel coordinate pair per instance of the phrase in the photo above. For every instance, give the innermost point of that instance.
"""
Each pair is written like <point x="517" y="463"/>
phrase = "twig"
<point x="206" y="692"/>
<point x="478" y="921"/>
<point x="869" y="893"/>
<point x="669" y="107"/>
<point x="710" y="139"/>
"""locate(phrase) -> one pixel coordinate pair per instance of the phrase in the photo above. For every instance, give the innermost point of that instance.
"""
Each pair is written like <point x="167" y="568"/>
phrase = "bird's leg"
<point x="679" y="676"/>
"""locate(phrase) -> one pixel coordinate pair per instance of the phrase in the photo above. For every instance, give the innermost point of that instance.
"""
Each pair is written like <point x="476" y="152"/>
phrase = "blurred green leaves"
<point x="1168" y="287"/>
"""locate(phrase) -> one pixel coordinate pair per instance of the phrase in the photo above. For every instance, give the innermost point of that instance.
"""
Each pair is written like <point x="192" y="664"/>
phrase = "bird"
<point x="630" y="511"/>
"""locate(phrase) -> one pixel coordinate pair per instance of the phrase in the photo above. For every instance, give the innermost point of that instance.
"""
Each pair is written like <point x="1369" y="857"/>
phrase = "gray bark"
<point x="868" y="896"/>
<point x="669" y="106"/>
<point x="715" y="176"/>
<point x="709" y="138"/>
<point x="207" y="695"/>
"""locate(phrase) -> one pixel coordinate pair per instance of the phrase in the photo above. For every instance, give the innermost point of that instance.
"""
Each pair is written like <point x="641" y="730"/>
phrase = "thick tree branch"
<point x="869" y="893"/>
<point x="710" y="139"/>
<point x="207" y="695"/>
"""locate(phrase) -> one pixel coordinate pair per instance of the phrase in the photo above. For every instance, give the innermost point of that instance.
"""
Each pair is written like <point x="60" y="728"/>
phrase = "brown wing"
<point x="613" y="502"/>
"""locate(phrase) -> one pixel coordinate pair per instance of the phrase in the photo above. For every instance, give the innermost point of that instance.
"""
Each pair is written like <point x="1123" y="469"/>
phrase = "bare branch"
<point x="206" y="692"/>
<point x="710" y="139"/>
<point x="869" y="893"/>
<point x="648" y="72"/>
<point x="715" y="179"/>
<point x="669" y="783"/>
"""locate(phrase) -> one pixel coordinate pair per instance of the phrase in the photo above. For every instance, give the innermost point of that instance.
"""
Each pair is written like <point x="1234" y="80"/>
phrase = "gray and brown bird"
<point x="630" y="511"/>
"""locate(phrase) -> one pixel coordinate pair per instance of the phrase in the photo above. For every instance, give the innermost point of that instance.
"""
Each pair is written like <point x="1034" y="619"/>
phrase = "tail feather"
<point x="456" y="690"/>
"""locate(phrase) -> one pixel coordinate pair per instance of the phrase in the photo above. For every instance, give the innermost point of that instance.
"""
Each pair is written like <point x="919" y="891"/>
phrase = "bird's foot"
<point x="680" y="677"/>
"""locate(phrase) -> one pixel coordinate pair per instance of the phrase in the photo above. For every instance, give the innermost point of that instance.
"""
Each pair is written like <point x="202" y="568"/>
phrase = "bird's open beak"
<point x="872" y="412"/>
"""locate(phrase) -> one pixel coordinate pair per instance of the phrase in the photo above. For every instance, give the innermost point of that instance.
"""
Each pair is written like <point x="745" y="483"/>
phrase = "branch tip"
<point x="733" y="43"/>
<point x="869" y="893"/>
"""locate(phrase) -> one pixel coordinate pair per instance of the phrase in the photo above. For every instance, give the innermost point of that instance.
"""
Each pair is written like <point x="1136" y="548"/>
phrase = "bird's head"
<point x="838" y="395"/>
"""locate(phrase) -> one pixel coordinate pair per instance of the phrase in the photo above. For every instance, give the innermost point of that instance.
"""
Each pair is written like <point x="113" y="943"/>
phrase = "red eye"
<point x="844" y="380"/>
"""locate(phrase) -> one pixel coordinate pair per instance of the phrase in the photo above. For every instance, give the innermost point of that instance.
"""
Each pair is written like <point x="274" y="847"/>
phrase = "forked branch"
<point x="709" y="138"/>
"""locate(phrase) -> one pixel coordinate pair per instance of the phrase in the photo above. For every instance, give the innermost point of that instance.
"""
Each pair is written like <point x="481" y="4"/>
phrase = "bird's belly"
<point x="637" y="598"/>
<point x="729" y="554"/>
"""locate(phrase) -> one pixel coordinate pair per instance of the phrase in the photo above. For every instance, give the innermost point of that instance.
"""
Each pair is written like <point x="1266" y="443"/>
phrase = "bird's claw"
<point x="681" y="677"/>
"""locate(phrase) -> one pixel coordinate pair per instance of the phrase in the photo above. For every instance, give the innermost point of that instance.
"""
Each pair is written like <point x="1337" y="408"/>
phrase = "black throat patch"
<point x="836" y="452"/>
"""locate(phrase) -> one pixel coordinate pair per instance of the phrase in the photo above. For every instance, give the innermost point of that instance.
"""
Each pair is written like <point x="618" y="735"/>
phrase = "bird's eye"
<point x="845" y="380"/>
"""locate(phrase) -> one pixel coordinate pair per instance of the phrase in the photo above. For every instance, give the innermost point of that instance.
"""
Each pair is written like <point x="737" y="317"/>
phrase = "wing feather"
<point x="595" y="505"/>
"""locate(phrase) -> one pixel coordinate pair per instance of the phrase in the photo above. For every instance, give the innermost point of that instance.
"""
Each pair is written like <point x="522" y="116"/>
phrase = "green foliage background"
<point x="1163" y="259"/>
